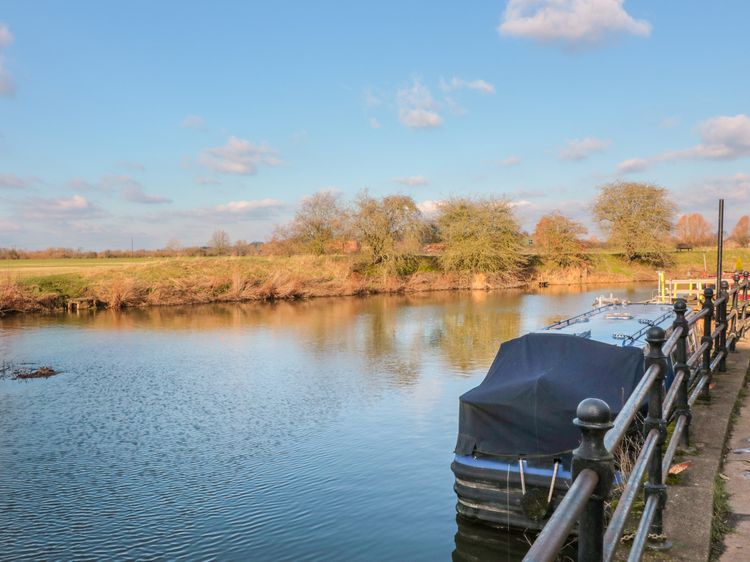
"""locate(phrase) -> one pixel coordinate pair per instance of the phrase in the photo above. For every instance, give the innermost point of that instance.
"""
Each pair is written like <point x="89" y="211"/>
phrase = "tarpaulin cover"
<point x="527" y="402"/>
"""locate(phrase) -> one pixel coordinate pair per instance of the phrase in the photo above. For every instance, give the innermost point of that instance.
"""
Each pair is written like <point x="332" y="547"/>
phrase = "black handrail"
<point x="593" y="462"/>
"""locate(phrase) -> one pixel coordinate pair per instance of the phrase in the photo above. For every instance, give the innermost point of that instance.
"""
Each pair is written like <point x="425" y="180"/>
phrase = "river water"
<point x="315" y="430"/>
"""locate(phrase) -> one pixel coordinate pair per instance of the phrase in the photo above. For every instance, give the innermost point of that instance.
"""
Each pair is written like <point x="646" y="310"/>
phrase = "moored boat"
<point x="513" y="455"/>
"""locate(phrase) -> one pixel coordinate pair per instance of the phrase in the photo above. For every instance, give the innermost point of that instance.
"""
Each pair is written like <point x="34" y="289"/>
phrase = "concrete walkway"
<point x="737" y="470"/>
<point x="690" y="503"/>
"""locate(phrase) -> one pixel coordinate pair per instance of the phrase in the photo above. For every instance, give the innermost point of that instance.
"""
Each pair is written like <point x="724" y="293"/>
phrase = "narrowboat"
<point x="512" y="462"/>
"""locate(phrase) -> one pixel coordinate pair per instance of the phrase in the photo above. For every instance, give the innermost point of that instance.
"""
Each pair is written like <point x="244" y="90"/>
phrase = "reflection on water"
<point x="312" y="430"/>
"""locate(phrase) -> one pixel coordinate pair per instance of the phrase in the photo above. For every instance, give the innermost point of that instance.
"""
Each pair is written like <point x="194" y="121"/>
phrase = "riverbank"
<point x="39" y="285"/>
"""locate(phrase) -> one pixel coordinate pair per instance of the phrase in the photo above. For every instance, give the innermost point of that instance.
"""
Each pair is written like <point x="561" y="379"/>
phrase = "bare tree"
<point x="741" y="232"/>
<point x="480" y="236"/>
<point x="389" y="228"/>
<point x="638" y="218"/>
<point x="220" y="243"/>
<point x="693" y="229"/>
<point x="319" y="221"/>
<point x="558" y="238"/>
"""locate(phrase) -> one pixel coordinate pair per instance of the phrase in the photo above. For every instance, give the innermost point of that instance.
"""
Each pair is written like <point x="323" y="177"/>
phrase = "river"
<point x="312" y="430"/>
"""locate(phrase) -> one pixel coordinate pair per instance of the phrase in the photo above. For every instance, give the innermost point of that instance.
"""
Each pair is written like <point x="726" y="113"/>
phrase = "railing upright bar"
<point x="655" y="487"/>
<point x="707" y="341"/>
<point x="734" y="315"/>
<point x="554" y="534"/>
<point x="743" y="327"/>
<point x="630" y="409"/>
<point x="723" y="320"/>
<point x="682" y="408"/>
<point x="632" y="487"/>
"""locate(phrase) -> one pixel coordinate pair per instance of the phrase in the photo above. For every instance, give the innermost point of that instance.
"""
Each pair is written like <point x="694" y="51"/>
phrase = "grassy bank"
<point x="32" y="285"/>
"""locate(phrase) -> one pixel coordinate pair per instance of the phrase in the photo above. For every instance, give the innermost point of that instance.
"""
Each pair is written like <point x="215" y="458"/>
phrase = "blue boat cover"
<point x="527" y="401"/>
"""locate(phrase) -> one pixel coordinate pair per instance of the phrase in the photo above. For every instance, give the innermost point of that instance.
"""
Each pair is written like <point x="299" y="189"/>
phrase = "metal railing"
<point x="724" y="322"/>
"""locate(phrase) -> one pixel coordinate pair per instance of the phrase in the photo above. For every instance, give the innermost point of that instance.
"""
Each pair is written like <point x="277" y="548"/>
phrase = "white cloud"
<point x="417" y="109"/>
<point x="703" y="194"/>
<point x="412" y="181"/>
<point x="62" y="209"/>
<point x="430" y="207"/>
<point x="459" y="84"/>
<point x="135" y="194"/>
<point x="239" y="156"/>
<point x="234" y="211"/>
<point x="374" y="123"/>
<point x="669" y="122"/>
<point x="7" y="87"/>
<point x="722" y="138"/>
<point x="509" y="161"/>
<point x="195" y="122"/>
<point x="573" y="22"/>
<point x="420" y="118"/>
<point x="578" y="149"/>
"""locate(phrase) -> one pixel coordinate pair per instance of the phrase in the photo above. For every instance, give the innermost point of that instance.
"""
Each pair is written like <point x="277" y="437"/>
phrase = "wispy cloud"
<point x="204" y="180"/>
<point x="374" y="123"/>
<point x="579" y="149"/>
<point x="722" y="138"/>
<point x="7" y="86"/>
<point x="669" y="122"/>
<point x="133" y="166"/>
<point x="239" y="156"/>
<point x="370" y="99"/>
<point x="417" y="108"/>
<point x="460" y="84"/>
<point x="135" y="194"/>
<point x="233" y="211"/>
<point x="571" y="22"/>
<point x="734" y="189"/>
<point x="412" y="181"/>
<point x="195" y="122"/>
<point x="12" y="181"/>
<point x="509" y="161"/>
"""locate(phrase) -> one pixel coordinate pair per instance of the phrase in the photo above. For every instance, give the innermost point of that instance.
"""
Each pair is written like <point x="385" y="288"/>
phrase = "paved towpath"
<point x="737" y="470"/>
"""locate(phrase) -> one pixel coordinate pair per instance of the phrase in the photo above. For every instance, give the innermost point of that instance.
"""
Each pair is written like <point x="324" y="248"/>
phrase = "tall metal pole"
<point x="720" y="245"/>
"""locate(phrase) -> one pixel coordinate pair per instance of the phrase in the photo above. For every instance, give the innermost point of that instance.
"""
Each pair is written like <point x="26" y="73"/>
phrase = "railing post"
<point x="682" y="408"/>
<point x="735" y="315"/>
<point x="594" y="418"/>
<point x="723" y="319"/>
<point x="655" y="420"/>
<point x="708" y="305"/>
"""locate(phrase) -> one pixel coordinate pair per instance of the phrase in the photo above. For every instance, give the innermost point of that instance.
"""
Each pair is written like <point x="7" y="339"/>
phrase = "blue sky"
<point x="169" y="121"/>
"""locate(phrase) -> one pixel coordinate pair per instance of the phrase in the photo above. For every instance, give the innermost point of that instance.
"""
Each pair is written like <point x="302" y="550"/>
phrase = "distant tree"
<point x="390" y="229"/>
<point x="741" y="232"/>
<point x="480" y="236"/>
<point x="693" y="229"/>
<point x="319" y="221"/>
<point x="173" y="247"/>
<point x="219" y="243"/>
<point x="638" y="218"/>
<point x="558" y="238"/>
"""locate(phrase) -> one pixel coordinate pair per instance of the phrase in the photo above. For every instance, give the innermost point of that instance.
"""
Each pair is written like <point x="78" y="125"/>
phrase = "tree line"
<point x="464" y="234"/>
<point x="481" y="234"/>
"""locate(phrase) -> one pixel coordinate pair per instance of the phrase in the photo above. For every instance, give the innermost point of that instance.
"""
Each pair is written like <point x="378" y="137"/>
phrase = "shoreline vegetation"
<point x="377" y="245"/>
<point x="52" y="285"/>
